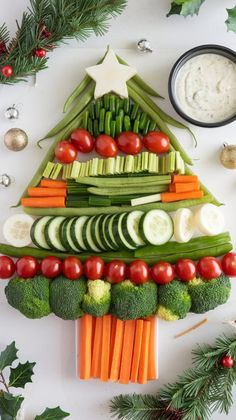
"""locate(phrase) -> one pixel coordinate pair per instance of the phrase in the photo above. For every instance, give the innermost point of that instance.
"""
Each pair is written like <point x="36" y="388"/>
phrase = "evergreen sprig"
<point x="48" y="23"/>
<point x="200" y="391"/>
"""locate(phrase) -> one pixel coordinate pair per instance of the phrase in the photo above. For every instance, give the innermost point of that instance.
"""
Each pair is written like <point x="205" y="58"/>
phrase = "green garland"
<point x="197" y="394"/>
<point x="44" y="26"/>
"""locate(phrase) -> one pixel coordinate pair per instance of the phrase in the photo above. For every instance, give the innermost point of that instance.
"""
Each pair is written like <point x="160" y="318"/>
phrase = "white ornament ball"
<point x="15" y="139"/>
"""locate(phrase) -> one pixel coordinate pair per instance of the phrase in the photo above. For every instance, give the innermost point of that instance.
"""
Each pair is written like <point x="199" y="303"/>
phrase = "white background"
<point x="50" y="341"/>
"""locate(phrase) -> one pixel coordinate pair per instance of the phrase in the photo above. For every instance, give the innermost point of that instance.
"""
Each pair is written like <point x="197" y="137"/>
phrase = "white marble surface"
<point x="50" y="341"/>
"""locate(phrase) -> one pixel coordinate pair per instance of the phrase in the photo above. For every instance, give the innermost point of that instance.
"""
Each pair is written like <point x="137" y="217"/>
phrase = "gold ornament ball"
<point x="228" y="156"/>
<point x="15" y="139"/>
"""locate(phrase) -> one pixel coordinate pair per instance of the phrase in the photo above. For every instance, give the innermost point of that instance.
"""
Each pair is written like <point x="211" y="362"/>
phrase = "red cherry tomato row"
<point x="116" y="270"/>
<point x="127" y="142"/>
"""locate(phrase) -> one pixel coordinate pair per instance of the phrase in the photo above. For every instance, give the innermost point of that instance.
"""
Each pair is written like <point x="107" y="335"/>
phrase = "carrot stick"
<point x="43" y="202"/>
<point x="169" y="197"/>
<point x="199" y="324"/>
<point x="46" y="192"/>
<point x="116" y="358"/>
<point x="127" y="352"/>
<point x="50" y="183"/>
<point x="143" y="365"/>
<point x="113" y="336"/>
<point x="105" y="356"/>
<point x="86" y="346"/>
<point x="96" y="355"/>
<point x="152" y="374"/>
<point x="184" y="178"/>
<point x="137" y="350"/>
<point x="189" y="186"/>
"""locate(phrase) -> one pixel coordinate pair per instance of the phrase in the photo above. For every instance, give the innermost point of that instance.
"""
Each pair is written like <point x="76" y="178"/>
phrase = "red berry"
<point x="45" y="33"/>
<point x="7" y="71"/>
<point x="227" y="362"/>
<point x="40" y="53"/>
<point x="3" y="48"/>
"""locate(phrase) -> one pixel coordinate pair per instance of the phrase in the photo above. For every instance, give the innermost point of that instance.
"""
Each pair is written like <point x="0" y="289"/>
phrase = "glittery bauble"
<point x="40" y="53"/>
<point x="5" y="180"/>
<point x="15" y="139"/>
<point x="144" y="46"/>
<point x="227" y="362"/>
<point x="12" y="113"/>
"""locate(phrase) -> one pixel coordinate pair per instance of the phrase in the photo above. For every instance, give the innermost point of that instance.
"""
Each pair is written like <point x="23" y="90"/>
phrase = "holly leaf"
<point x="52" y="414"/>
<point x="21" y="375"/>
<point x="185" y="7"/>
<point x="9" y="405"/>
<point x="8" y="356"/>
<point x="231" y="21"/>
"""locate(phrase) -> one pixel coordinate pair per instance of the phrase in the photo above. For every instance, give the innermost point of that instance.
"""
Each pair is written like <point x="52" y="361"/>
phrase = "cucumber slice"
<point x="65" y="236"/>
<point x="183" y="225"/>
<point x="156" y="227"/>
<point x="119" y="234"/>
<point x="105" y="235"/>
<point x="87" y="236"/>
<point x="37" y="232"/>
<point x="52" y="233"/>
<point x="16" y="230"/>
<point x="109" y="231"/>
<point x="209" y="219"/>
<point x="76" y="232"/>
<point x="130" y="228"/>
<point x="96" y="233"/>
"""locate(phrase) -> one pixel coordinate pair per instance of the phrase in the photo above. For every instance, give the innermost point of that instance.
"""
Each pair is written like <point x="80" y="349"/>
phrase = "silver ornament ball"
<point x="5" y="180"/>
<point x="15" y="139"/>
<point x="12" y="113"/>
<point x="144" y="45"/>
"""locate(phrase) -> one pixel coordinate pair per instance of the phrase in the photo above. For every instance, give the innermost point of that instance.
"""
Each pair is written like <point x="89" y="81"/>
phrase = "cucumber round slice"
<point x="87" y="236"/>
<point x="65" y="235"/>
<point x="109" y="232"/>
<point x="105" y="235"/>
<point x="156" y="227"/>
<point x="16" y="230"/>
<point x="103" y="240"/>
<point x="52" y="233"/>
<point x="118" y="232"/>
<point x="76" y="232"/>
<point x="209" y="219"/>
<point x="130" y="228"/>
<point x="37" y="232"/>
<point x="183" y="225"/>
<point x="95" y="232"/>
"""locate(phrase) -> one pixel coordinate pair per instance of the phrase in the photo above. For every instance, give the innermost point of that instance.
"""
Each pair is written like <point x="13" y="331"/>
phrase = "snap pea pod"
<point x="81" y="105"/>
<point x="201" y="242"/>
<point x="135" y="189"/>
<point x="141" y="83"/>
<point x="169" y="207"/>
<point x="50" y="155"/>
<point x="160" y="123"/>
<point x="165" y="117"/>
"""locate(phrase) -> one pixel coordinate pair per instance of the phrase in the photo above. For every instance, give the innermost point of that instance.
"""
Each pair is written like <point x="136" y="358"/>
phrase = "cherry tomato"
<point x="51" y="267"/>
<point x="129" y="143"/>
<point x="209" y="268"/>
<point x="72" y="268"/>
<point x="65" y="152"/>
<point x="138" y="272"/>
<point x="162" y="273"/>
<point x="106" y="146"/>
<point x="82" y="140"/>
<point x="229" y="264"/>
<point x="94" y="268"/>
<point x="27" y="267"/>
<point x="115" y="271"/>
<point x="156" y="142"/>
<point x="7" y="267"/>
<point x="185" y="269"/>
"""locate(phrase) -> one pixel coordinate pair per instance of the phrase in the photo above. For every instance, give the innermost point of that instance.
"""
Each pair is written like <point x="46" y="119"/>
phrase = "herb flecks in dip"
<point x="206" y="88"/>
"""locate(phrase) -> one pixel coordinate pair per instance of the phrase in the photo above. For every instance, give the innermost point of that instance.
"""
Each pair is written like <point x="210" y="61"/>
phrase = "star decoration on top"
<point x="111" y="76"/>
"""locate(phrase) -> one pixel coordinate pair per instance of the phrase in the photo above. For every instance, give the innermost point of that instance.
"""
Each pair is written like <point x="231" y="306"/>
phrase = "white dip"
<point x="205" y="88"/>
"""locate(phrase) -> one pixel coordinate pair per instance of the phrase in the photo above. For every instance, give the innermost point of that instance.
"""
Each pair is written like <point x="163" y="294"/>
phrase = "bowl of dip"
<point x="202" y="86"/>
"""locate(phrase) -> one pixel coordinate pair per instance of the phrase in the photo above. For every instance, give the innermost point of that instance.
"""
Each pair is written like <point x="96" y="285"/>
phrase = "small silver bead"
<point x="144" y="46"/>
<point x="5" y="180"/>
<point x="12" y="113"/>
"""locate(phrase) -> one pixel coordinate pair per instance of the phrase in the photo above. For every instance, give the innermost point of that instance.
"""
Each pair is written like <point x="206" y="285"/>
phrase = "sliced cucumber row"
<point x="103" y="232"/>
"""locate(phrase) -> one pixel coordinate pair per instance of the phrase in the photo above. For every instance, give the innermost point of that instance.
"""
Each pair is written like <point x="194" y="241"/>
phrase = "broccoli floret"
<point x="97" y="300"/>
<point x="130" y="301"/>
<point x="207" y="295"/>
<point x="174" y="301"/>
<point x="66" y="297"/>
<point x="29" y="296"/>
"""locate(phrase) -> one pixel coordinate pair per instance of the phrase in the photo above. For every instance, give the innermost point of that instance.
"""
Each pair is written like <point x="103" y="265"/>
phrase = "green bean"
<point x="203" y="188"/>
<point x="102" y="120"/>
<point x="108" y="118"/>
<point x="165" y="117"/>
<point x="50" y="155"/>
<point x="81" y="105"/>
<point x="141" y="83"/>
<point x="169" y="207"/>
<point x="194" y="244"/>
<point x="161" y="124"/>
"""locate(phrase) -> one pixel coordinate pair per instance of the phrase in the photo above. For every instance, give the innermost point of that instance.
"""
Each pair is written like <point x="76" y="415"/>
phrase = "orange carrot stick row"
<point x="117" y="351"/>
<point x="50" y="183"/>
<point x="96" y="357"/>
<point x="105" y="356"/>
<point x="46" y="192"/>
<point x="144" y="357"/>
<point x="169" y="197"/>
<point x="43" y="202"/>
<point x="152" y="371"/>
<point x="182" y="187"/>
<point x="86" y="346"/>
<point x="137" y="350"/>
<point x="184" y="178"/>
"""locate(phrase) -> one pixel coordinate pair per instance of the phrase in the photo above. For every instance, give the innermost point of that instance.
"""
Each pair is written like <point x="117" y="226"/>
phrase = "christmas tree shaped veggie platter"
<point x="136" y="202"/>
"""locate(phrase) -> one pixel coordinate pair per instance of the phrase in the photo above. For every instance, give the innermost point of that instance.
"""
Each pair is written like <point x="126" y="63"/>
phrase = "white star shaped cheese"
<point x="111" y="76"/>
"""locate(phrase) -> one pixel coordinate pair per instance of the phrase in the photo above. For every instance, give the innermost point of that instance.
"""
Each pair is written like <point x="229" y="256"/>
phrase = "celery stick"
<point x="75" y="169"/>
<point x="49" y="169"/>
<point x="146" y="200"/>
